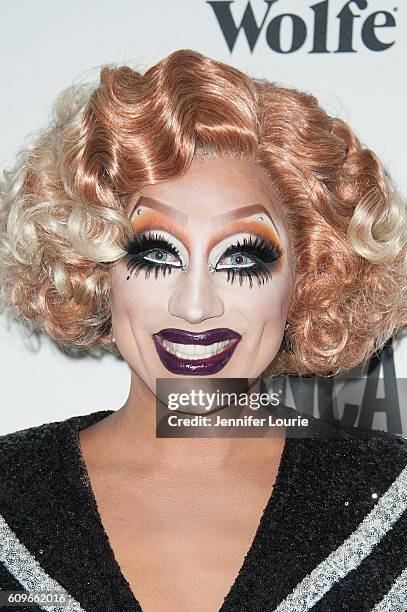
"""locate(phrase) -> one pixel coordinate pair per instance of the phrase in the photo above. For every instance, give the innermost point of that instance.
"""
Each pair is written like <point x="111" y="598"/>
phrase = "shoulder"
<point x="31" y="469"/>
<point x="361" y="466"/>
<point x="373" y="442"/>
<point x="32" y="441"/>
<point x="369" y="446"/>
<point x="348" y="515"/>
<point x="27" y="438"/>
<point x="35" y="454"/>
<point x="24" y="449"/>
<point x="377" y="456"/>
<point x="336" y="447"/>
<point x="32" y="438"/>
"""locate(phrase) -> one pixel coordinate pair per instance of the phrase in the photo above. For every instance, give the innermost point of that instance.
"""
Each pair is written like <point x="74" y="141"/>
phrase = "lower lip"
<point x="194" y="367"/>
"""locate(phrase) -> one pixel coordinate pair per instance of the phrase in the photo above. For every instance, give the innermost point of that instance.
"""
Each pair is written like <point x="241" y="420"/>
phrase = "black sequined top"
<point x="332" y="536"/>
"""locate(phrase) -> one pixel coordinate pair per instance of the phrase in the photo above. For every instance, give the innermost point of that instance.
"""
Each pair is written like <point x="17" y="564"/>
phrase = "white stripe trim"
<point x="354" y="549"/>
<point x="29" y="573"/>
<point x="396" y="599"/>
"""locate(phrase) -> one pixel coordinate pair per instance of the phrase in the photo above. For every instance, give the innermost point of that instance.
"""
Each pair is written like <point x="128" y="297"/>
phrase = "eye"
<point x="159" y="256"/>
<point x="237" y="260"/>
<point x="151" y="253"/>
<point x="252" y="258"/>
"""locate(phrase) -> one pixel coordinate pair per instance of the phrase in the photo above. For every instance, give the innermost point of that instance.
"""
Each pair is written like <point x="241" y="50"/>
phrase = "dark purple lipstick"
<point x="197" y="366"/>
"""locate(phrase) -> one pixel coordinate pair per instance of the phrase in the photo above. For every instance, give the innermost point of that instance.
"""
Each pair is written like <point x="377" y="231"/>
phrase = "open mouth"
<point x="184" y="352"/>
<point x="195" y="351"/>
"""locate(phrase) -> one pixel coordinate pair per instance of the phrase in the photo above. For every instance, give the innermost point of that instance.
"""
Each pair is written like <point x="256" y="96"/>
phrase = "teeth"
<point x="194" y="351"/>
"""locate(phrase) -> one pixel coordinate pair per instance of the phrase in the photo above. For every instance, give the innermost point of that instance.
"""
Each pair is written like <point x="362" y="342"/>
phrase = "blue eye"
<point x="159" y="256"/>
<point x="237" y="260"/>
<point x="253" y="258"/>
<point x="250" y="259"/>
<point x="151" y="253"/>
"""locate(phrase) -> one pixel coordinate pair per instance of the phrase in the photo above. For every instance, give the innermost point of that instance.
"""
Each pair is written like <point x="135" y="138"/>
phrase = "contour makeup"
<point x="203" y="256"/>
<point x="240" y="247"/>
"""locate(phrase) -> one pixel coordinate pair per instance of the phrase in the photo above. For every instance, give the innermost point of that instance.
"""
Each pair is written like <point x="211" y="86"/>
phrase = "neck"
<point x="132" y="432"/>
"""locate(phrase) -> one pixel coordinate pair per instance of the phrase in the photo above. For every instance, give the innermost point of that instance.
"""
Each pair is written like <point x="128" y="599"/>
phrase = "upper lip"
<point x="180" y="336"/>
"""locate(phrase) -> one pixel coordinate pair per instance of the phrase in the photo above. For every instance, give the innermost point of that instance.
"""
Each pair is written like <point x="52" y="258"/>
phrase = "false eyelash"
<point x="263" y="252"/>
<point x="262" y="276"/>
<point x="138" y="245"/>
<point x="267" y="252"/>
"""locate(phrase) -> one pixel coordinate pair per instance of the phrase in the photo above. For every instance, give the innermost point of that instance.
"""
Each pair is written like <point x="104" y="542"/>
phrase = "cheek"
<point x="131" y="297"/>
<point x="128" y="306"/>
<point x="268" y="312"/>
<point x="260" y="306"/>
<point x="122" y="294"/>
<point x="272" y="305"/>
<point x="139" y="308"/>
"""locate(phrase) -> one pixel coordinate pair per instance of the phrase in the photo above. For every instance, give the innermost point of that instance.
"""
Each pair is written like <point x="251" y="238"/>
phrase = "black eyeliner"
<point x="262" y="252"/>
<point x="268" y="252"/>
<point x="141" y="243"/>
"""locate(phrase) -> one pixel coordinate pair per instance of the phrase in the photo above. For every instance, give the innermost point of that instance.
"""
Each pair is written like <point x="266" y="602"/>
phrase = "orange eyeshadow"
<point x="258" y="228"/>
<point x="153" y="221"/>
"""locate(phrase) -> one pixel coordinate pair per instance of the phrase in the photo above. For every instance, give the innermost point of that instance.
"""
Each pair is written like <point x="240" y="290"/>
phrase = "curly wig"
<point x="63" y="206"/>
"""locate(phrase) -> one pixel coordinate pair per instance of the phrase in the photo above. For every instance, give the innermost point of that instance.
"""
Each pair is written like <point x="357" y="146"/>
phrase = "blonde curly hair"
<point x="63" y="214"/>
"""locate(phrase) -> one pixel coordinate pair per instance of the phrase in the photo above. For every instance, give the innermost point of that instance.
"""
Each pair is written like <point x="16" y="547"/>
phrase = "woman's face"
<point x="205" y="287"/>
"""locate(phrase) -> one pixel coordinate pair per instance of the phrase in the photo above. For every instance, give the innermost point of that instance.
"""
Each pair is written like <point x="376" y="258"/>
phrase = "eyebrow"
<point x="217" y="221"/>
<point x="239" y="213"/>
<point x="168" y="211"/>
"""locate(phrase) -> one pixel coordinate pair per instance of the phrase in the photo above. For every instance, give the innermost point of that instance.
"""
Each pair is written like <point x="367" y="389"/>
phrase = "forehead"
<point x="213" y="188"/>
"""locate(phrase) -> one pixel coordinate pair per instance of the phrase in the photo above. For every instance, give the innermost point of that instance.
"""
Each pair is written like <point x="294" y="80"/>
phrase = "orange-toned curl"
<point x="63" y="214"/>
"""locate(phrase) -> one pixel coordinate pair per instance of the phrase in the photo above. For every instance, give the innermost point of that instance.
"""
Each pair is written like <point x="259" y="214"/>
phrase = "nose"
<point x="195" y="297"/>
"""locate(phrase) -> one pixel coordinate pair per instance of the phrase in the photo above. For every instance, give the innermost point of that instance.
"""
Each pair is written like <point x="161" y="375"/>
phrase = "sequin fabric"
<point x="395" y="599"/>
<point x="352" y="552"/>
<point x="331" y="538"/>
<point x="26" y="569"/>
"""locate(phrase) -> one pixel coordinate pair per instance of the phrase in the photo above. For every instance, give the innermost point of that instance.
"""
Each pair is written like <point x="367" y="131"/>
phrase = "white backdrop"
<point x="47" y="45"/>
